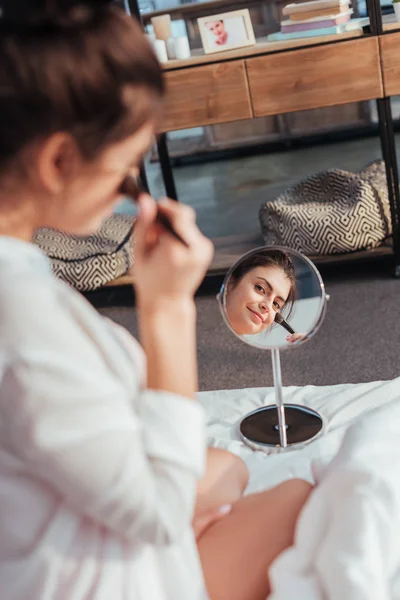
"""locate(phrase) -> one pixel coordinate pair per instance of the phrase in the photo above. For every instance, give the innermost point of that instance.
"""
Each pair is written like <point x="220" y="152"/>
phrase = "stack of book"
<point x="317" y="17"/>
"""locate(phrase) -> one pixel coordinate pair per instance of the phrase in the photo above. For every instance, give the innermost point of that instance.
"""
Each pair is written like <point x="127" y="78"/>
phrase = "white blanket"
<point x="347" y="544"/>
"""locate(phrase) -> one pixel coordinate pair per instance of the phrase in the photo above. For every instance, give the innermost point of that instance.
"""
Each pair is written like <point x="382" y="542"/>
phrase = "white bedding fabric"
<point x="347" y="543"/>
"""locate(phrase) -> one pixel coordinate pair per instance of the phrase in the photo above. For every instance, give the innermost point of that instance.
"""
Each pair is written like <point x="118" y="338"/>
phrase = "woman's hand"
<point x="164" y="267"/>
<point x="295" y="337"/>
<point x="167" y="274"/>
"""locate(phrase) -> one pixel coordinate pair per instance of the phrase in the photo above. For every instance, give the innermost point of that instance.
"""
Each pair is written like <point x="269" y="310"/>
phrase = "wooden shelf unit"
<point x="390" y="61"/>
<point x="273" y="78"/>
<point x="271" y="83"/>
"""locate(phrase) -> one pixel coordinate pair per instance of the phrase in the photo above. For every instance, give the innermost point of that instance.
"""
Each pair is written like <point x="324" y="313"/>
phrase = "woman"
<point x="217" y="28"/>
<point x="262" y="285"/>
<point x="99" y="473"/>
<point x="227" y="32"/>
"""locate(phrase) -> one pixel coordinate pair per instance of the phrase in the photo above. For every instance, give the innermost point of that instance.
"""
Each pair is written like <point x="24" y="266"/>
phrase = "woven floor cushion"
<point x="331" y="212"/>
<point x="88" y="263"/>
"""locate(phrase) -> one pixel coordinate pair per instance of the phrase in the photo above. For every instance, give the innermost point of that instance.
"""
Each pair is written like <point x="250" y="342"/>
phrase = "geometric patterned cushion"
<point x="331" y="212"/>
<point x="88" y="263"/>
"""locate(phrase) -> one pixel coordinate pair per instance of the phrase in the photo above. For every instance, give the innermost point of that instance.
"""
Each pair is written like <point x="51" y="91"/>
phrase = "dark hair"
<point x="268" y="257"/>
<point x="86" y="70"/>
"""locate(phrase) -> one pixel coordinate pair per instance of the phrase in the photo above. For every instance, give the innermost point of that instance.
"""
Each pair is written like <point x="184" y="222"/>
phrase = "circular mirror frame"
<point x="221" y="297"/>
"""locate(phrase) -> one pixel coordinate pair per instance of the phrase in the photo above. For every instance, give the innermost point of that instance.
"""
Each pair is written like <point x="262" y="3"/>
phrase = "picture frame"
<point x="226" y="31"/>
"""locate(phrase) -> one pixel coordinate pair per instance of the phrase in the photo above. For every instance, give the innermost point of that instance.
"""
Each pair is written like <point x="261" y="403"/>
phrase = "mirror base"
<point x="259" y="429"/>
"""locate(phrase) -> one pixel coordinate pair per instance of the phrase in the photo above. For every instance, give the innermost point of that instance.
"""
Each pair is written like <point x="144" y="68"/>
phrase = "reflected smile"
<point x="256" y="314"/>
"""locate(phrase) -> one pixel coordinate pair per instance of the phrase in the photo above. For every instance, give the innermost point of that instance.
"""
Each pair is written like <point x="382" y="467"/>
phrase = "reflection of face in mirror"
<point x="260" y="286"/>
<point x="273" y="297"/>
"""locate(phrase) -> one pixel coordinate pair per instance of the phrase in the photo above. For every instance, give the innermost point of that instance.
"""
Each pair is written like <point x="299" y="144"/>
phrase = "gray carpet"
<point x="358" y="341"/>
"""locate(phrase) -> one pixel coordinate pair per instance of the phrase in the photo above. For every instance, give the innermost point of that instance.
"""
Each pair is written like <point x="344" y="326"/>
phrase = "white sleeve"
<point x="136" y="477"/>
<point x="72" y="423"/>
<point x="132" y="348"/>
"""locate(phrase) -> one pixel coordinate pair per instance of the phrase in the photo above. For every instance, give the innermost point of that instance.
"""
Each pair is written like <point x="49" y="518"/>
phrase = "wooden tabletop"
<point x="390" y="23"/>
<point x="263" y="46"/>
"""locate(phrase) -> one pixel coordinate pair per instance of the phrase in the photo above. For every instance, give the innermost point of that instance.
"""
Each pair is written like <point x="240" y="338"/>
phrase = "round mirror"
<point x="274" y="299"/>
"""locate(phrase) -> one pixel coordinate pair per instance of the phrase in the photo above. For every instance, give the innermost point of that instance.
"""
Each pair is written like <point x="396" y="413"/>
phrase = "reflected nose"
<point x="265" y="305"/>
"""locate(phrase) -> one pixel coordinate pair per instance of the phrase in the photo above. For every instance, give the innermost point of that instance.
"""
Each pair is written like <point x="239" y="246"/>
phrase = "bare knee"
<point x="223" y="465"/>
<point x="241" y="470"/>
<point x="225" y="480"/>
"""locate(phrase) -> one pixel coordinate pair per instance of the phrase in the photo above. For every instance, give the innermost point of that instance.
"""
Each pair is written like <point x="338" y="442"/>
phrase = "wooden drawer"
<point x="329" y="118"/>
<point x="315" y="77"/>
<point x="197" y="96"/>
<point x="390" y="57"/>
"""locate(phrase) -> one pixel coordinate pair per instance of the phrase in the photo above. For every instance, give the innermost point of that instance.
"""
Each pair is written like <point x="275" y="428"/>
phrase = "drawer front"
<point x="390" y="57"/>
<point x="315" y="77"/>
<point x="205" y="95"/>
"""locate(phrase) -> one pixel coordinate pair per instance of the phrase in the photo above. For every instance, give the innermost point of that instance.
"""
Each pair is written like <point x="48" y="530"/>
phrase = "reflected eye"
<point x="259" y="288"/>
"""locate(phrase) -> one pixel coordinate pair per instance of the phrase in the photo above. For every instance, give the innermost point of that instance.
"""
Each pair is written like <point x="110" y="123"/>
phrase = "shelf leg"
<point x="166" y="168"/>
<point x="388" y="145"/>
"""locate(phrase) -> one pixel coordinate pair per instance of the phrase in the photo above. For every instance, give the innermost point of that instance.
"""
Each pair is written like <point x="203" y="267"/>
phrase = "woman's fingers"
<point x="163" y="264"/>
<point x="145" y="233"/>
<point x="295" y="337"/>
<point x="171" y="206"/>
<point x="182" y="219"/>
<point x="147" y="209"/>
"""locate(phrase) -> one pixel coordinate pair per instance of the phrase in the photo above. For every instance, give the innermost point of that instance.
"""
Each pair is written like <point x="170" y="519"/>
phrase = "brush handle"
<point x="165" y="223"/>
<point x="287" y="326"/>
<point x="132" y="188"/>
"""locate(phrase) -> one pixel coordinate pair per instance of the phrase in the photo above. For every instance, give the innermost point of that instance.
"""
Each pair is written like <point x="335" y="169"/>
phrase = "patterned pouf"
<point x="331" y="212"/>
<point x="88" y="263"/>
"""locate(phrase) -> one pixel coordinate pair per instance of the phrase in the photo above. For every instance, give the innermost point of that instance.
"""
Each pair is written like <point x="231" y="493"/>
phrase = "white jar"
<point x="182" y="48"/>
<point x="151" y="37"/>
<point x="161" y="50"/>
<point x="170" y="43"/>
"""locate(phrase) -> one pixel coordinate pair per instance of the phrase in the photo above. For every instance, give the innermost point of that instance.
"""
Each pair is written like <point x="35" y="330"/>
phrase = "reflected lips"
<point x="257" y="315"/>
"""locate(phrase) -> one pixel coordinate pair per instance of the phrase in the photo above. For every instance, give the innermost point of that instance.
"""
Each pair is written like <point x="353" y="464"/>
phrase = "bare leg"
<point x="224" y="483"/>
<point x="236" y="551"/>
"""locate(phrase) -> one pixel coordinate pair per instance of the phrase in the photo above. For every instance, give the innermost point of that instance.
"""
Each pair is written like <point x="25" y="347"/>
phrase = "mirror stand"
<point x="280" y="407"/>
<point x="281" y="426"/>
<point x="269" y="292"/>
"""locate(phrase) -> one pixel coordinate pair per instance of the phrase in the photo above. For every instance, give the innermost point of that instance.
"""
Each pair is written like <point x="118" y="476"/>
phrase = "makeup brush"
<point x="281" y="321"/>
<point x="131" y="188"/>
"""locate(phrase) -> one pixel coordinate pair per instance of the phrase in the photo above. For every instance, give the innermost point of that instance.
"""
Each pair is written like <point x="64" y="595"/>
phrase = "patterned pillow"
<point x="331" y="212"/>
<point x="88" y="263"/>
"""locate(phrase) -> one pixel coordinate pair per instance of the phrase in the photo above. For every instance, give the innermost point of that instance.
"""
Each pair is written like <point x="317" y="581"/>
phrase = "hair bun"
<point x="25" y="11"/>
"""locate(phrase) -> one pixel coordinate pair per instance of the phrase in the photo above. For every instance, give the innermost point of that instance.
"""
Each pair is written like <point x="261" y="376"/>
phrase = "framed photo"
<point x="226" y="31"/>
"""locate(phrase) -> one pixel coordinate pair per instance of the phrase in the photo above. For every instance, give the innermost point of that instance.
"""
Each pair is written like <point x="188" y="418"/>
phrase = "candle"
<point x="162" y="27"/>
<point x="182" y="48"/>
<point x="151" y="37"/>
<point x="170" y="43"/>
<point x="161" y="50"/>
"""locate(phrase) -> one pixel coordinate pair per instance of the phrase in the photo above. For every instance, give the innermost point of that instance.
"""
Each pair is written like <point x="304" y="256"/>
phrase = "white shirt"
<point x="97" y="476"/>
